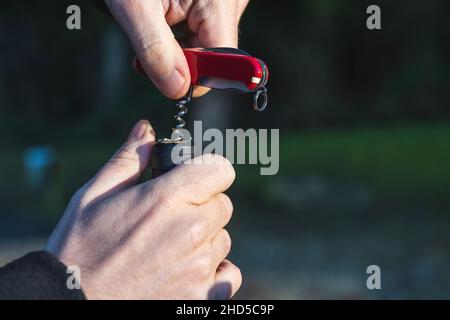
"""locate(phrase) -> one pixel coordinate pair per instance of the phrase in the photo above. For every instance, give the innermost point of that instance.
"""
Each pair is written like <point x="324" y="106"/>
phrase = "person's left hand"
<point x="161" y="239"/>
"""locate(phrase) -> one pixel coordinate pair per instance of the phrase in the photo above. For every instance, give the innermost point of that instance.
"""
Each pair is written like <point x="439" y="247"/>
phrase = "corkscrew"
<point x="182" y="111"/>
<point x="227" y="69"/>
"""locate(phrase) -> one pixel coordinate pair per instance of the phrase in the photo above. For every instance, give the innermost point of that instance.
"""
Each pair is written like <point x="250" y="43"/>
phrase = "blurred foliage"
<point x="327" y="68"/>
<point x="330" y="79"/>
<point x="406" y="163"/>
<point x="331" y="71"/>
<point x="403" y="162"/>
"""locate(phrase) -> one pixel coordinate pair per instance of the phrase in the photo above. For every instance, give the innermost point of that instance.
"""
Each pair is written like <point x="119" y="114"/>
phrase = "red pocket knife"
<point x="228" y="69"/>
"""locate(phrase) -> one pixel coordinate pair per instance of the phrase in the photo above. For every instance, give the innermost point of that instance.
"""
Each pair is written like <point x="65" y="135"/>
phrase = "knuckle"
<point x="226" y="241"/>
<point x="178" y="8"/>
<point x="238" y="276"/>
<point x="198" y="233"/>
<point x="203" y="267"/>
<point x="80" y="198"/>
<point x="200" y="8"/>
<point x="221" y="165"/>
<point x="228" y="170"/>
<point x="226" y="205"/>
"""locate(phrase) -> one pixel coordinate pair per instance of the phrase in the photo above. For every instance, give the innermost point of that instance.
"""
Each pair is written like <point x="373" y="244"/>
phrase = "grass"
<point x="411" y="161"/>
<point x="394" y="161"/>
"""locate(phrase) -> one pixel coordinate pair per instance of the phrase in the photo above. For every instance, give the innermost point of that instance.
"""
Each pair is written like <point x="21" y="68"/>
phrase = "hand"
<point x="163" y="239"/>
<point x="210" y="23"/>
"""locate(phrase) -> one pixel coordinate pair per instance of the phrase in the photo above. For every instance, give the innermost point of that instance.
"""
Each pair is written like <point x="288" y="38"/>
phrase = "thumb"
<point x="127" y="164"/>
<point x="156" y="48"/>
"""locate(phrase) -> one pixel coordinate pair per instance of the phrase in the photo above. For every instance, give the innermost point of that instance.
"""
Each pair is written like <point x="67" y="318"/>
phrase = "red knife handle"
<point x="208" y="63"/>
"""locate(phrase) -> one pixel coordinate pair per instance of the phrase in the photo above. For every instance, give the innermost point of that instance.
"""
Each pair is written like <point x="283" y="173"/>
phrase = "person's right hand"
<point x="148" y="23"/>
<point x="163" y="239"/>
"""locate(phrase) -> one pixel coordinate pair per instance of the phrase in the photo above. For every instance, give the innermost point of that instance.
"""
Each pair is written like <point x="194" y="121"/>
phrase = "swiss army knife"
<point x="228" y="69"/>
<point x="216" y="68"/>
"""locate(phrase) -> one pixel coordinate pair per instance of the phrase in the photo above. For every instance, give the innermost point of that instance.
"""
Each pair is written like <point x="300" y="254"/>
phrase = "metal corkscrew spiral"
<point x="182" y="110"/>
<point x="162" y="159"/>
<point x="215" y="68"/>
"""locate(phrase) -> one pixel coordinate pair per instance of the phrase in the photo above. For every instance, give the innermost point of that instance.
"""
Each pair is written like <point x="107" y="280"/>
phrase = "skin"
<point x="162" y="239"/>
<point x="208" y="23"/>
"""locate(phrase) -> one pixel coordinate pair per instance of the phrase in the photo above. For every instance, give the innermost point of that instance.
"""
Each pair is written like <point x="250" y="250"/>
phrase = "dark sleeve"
<point x="38" y="275"/>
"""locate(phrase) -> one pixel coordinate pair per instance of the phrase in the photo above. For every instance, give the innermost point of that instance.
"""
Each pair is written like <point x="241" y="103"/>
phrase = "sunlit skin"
<point x="162" y="239"/>
<point x="209" y="23"/>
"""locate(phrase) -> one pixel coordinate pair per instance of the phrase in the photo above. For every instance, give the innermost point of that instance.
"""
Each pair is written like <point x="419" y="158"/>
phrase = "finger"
<point x="159" y="53"/>
<point x="217" y="212"/>
<point x="242" y="5"/>
<point x="127" y="164"/>
<point x="215" y="23"/>
<point x="199" y="180"/>
<point x="220" y="246"/>
<point x="227" y="282"/>
<point x="198" y="90"/>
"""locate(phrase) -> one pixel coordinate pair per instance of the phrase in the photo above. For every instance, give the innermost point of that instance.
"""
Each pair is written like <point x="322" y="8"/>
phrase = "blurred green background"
<point x="365" y="133"/>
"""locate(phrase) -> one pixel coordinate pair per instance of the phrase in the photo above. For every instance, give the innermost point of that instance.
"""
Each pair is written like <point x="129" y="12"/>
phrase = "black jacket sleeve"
<point x="38" y="275"/>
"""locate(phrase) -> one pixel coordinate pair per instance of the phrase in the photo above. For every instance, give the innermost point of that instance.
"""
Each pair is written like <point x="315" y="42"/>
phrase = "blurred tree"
<point x="327" y="69"/>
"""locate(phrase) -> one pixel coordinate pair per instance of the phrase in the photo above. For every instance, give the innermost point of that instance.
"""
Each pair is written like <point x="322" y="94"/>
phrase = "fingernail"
<point x="172" y="84"/>
<point x="140" y="129"/>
